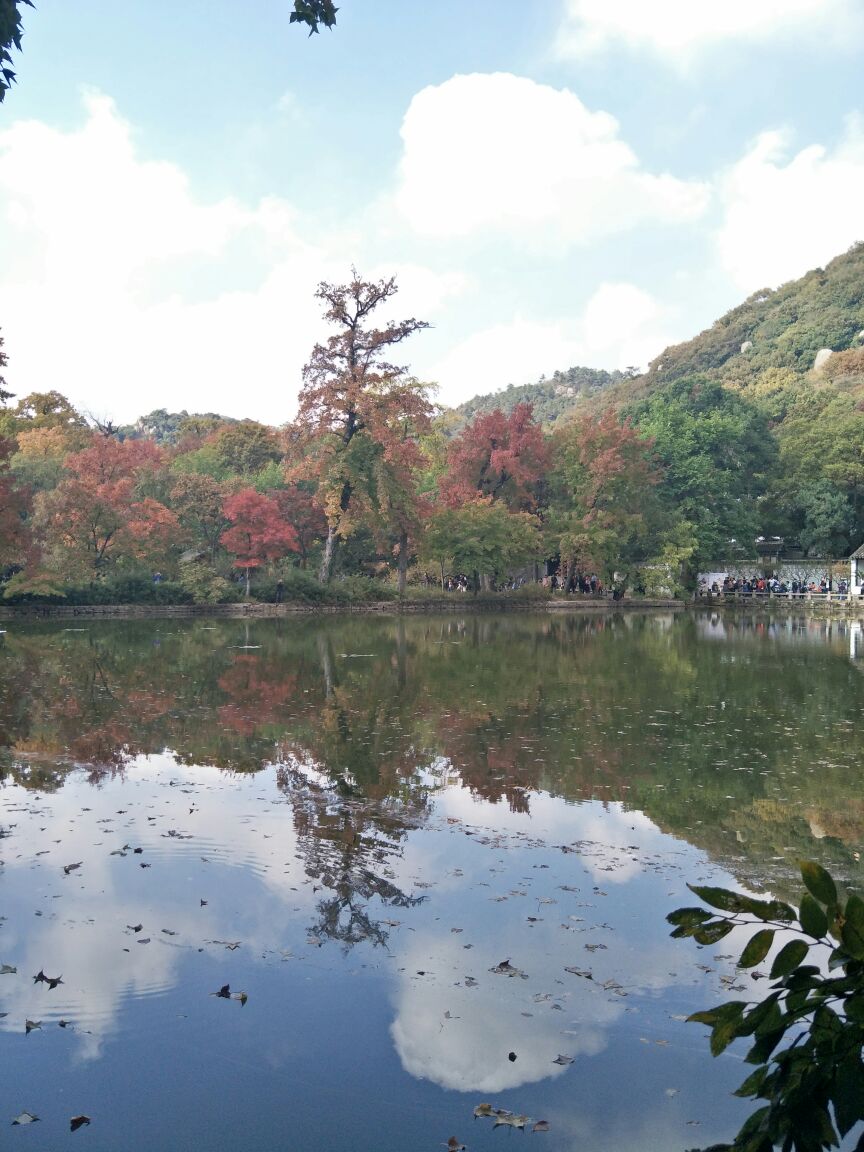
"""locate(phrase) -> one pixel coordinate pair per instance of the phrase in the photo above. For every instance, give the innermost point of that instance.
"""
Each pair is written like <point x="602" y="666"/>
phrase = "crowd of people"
<point x="771" y="585"/>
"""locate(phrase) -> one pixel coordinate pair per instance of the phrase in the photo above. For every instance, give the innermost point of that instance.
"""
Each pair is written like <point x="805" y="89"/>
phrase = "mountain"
<point x="551" y="398"/>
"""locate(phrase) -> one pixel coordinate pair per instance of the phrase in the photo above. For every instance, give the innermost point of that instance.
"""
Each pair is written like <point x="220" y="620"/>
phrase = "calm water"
<point x="354" y="822"/>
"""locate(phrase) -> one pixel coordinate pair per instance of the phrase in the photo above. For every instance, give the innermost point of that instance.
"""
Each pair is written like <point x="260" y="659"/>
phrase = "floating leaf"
<point x="25" y="1118"/>
<point x="505" y="968"/>
<point x="8" y="970"/>
<point x="563" y="1060"/>
<point x="67" y="868"/>
<point x="51" y="981"/>
<point x="483" y="1110"/>
<point x="509" y="1119"/>
<point x="541" y="1126"/>
<point x="78" y="1122"/>
<point x="453" y="1145"/>
<point x="29" y="1025"/>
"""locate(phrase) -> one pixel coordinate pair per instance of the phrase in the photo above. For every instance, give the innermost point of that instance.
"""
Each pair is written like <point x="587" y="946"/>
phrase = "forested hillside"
<point x="550" y="398"/>
<point x="754" y="428"/>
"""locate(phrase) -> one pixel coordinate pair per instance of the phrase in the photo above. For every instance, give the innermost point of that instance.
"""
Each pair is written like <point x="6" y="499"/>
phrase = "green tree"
<point x="481" y="537"/>
<point x="717" y="455"/>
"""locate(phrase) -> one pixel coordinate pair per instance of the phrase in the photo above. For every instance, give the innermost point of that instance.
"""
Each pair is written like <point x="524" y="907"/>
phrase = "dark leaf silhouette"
<point x="78" y="1122"/>
<point x="67" y="868"/>
<point x="51" y="981"/>
<point x="29" y="1025"/>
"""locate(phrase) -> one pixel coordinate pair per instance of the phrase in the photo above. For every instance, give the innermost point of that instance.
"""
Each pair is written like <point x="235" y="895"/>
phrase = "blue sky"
<point x="553" y="182"/>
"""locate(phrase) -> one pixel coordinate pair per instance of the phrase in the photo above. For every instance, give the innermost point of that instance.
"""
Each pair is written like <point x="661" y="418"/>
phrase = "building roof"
<point x="858" y="554"/>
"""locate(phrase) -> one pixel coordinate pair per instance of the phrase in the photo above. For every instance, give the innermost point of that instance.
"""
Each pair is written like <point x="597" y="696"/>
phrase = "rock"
<point x="747" y="345"/>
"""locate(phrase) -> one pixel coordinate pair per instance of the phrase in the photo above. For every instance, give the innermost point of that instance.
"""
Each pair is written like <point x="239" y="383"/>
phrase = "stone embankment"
<point x="454" y="603"/>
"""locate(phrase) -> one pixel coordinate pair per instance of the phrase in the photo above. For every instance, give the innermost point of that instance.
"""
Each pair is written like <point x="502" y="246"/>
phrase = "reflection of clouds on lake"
<point x="469" y="1050"/>
<point x="77" y="925"/>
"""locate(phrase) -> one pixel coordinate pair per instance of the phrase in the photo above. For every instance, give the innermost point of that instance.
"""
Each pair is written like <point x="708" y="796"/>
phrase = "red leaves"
<point x="500" y="456"/>
<point x="257" y="533"/>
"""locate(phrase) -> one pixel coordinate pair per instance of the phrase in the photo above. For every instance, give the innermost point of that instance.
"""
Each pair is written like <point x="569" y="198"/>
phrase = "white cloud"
<point x="783" y="215"/>
<point x="678" y="29"/>
<point x="125" y="290"/>
<point x="621" y="325"/>
<point x="501" y="153"/>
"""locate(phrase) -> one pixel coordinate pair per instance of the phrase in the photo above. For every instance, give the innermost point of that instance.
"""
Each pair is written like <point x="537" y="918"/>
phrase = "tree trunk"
<point x="442" y="576"/>
<point x="248" y="574"/>
<point x="326" y="570"/>
<point x="403" y="562"/>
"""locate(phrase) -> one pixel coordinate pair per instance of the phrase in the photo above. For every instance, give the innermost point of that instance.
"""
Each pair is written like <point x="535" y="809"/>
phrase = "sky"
<point x="552" y="182"/>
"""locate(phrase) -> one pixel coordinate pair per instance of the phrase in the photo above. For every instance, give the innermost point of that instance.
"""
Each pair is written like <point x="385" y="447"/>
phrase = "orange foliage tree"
<point x="358" y="413"/>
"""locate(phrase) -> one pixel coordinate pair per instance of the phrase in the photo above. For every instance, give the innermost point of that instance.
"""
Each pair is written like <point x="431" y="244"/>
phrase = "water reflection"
<point x="432" y="797"/>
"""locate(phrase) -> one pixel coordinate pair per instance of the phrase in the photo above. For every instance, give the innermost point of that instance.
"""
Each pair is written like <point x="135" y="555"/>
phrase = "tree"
<point x="314" y="12"/>
<point x="14" y="533"/>
<point x="257" y="533"/>
<point x="299" y="508"/>
<point x="605" y="513"/>
<point x="310" y="13"/>
<point x="481" y="537"/>
<point x="355" y="406"/>
<point x="198" y="501"/>
<point x="717" y="455"/>
<point x="82" y="522"/>
<point x="11" y="32"/>
<point x="500" y="456"/>
<point x="4" y="359"/>
<point x="813" y="1087"/>
<point x="245" y="447"/>
<point x="47" y="410"/>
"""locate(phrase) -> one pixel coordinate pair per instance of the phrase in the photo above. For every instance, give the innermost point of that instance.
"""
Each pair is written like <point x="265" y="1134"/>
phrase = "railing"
<point x="805" y="596"/>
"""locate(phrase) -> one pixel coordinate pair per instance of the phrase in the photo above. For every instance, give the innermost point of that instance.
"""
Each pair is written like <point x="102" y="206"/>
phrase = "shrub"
<point x="814" y="1084"/>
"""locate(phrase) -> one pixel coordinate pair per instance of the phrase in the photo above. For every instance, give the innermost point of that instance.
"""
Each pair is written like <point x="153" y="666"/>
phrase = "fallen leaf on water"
<point x="453" y="1145"/>
<point x="51" y="981"/>
<point x="78" y="1122"/>
<point x="483" y="1110"/>
<point x="564" y="1060"/>
<point x="25" y="1118"/>
<point x="67" y="868"/>
<point x="143" y="940"/>
<point x="29" y="1025"/>
<point x="505" y="968"/>
<point x="541" y="1126"/>
<point x="134" y="927"/>
<point x="583" y="972"/>
<point x="510" y="1120"/>
<point x="8" y="970"/>
<point x="64" y="1023"/>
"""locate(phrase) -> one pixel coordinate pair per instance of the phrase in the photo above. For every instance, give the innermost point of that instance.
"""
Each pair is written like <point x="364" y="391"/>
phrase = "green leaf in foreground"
<point x="818" y="882"/>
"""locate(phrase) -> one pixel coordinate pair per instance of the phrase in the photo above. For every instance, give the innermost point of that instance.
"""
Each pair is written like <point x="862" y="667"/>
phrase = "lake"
<point x="333" y="883"/>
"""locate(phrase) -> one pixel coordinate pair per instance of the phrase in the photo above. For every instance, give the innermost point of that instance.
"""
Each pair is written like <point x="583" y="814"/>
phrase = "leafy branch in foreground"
<point x="814" y="1085"/>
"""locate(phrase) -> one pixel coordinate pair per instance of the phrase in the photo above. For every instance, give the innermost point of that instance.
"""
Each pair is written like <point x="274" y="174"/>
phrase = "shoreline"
<point x="269" y="611"/>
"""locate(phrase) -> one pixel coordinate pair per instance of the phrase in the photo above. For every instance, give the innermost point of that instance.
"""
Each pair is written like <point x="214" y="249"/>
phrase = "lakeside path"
<point x="384" y="607"/>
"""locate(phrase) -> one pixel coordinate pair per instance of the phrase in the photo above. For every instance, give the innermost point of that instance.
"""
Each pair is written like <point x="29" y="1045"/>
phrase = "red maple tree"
<point x="257" y="533"/>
